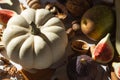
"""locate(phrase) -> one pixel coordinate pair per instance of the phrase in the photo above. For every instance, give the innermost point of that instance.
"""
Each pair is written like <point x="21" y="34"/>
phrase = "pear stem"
<point x="35" y="30"/>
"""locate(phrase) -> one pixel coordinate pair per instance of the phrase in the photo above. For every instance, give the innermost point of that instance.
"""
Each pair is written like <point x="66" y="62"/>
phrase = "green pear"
<point x="97" y="22"/>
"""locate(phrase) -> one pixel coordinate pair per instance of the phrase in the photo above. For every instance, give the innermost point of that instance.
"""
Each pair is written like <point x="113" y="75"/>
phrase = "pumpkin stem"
<point x="35" y="30"/>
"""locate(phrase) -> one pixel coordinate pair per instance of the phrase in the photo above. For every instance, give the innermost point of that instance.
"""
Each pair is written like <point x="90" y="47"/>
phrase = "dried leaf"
<point x="6" y="1"/>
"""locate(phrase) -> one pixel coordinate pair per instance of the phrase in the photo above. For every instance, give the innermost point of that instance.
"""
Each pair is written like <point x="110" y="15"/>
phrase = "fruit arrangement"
<point x="43" y="36"/>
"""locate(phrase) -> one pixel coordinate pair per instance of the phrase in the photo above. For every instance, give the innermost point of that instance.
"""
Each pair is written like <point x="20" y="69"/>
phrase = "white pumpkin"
<point x="35" y="39"/>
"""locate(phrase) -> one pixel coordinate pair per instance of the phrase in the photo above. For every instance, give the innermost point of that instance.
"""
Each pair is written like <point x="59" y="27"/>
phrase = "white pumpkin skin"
<point x="35" y="51"/>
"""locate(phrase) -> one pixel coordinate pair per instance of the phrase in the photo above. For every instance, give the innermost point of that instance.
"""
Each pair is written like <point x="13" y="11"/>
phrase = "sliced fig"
<point x="116" y="66"/>
<point x="5" y="15"/>
<point x="104" y="51"/>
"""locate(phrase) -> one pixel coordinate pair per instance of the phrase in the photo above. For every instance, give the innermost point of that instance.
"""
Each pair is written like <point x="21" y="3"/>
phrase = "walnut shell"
<point x="77" y="7"/>
<point x="80" y="46"/>
<point x="35" y="4"/>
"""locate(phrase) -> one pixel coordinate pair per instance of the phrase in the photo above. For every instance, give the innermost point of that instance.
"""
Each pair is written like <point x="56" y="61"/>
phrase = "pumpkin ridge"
<point x="54" y="21"/>
<point x="46" y="39"/>
<point x="10" y="37"/>
<point x="12" y="54"/>
<point x="26" y="51"/>
<point x="24" y="28"/>
<point x="14" y="21"/>
<point x="51" y="29"/>
<point x="39" y="52"/>
<point x="60" y="31"/>
<point x="54" y="43"/>
<point x="44" y="17"/>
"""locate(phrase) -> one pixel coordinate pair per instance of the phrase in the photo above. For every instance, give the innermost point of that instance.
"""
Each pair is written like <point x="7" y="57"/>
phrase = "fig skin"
<point x="84" y="66"/>
<point x="77" y="70"/>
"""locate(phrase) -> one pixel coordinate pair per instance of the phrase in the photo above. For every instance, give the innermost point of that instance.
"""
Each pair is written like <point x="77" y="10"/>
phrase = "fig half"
<point x="116" y="67"/>
<point x="104" y="51"/>
<point x="5" y="15"/>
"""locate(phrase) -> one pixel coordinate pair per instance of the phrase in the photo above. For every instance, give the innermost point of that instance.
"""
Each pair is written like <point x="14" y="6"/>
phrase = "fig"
<point x="81" y="68"/>
<point x="84" y="64"/>
<point x="104" y="50"/>
<point x="5" y="15"/>
<point x="116" y="67"/>
<point x="97" y="21"/>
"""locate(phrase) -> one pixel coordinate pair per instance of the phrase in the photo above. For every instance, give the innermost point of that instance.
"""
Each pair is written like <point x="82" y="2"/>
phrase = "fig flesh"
<point x="103" y="51"/>
<point x="5" y="15"/>
<point x="116" y="66"/>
